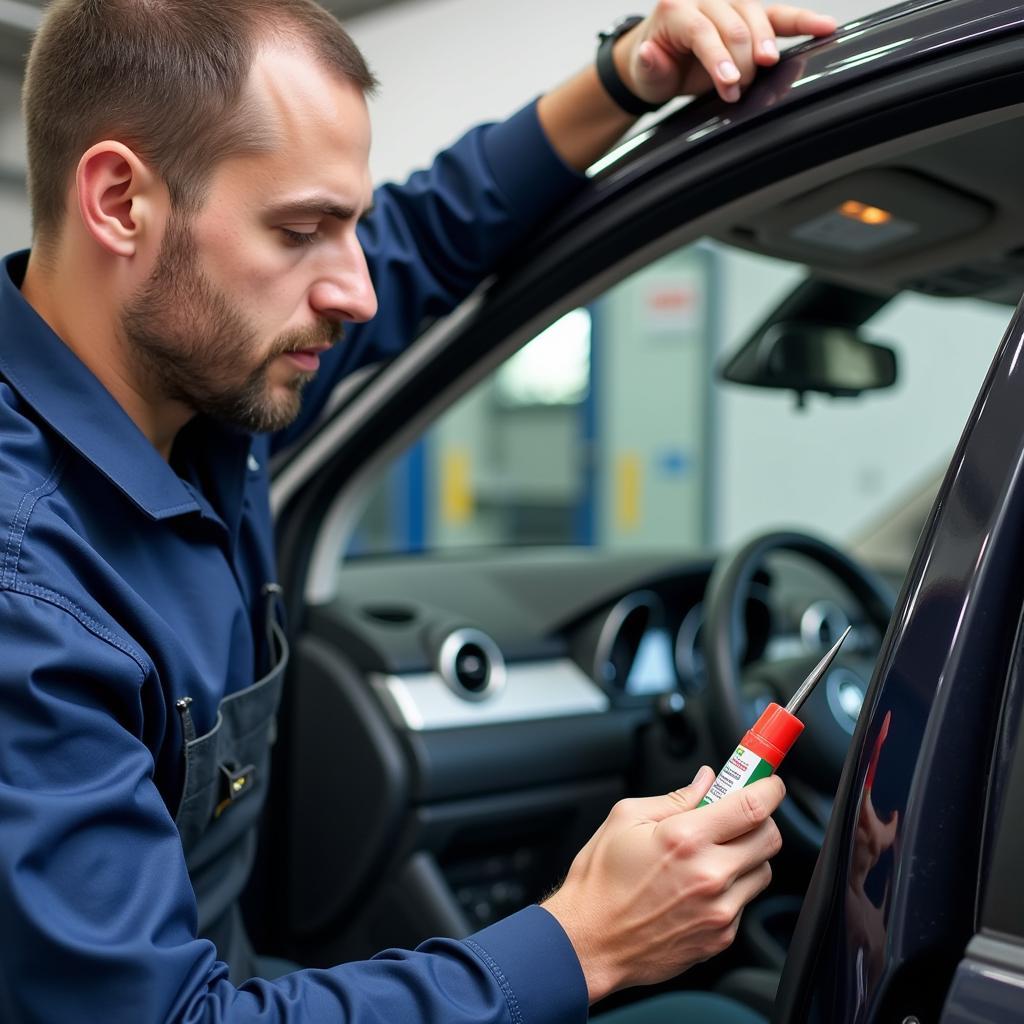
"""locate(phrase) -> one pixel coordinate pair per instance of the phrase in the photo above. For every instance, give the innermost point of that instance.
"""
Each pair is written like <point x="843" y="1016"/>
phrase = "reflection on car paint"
<point x="868" y="891"/>
<point x="615" y="155"/>
<point x="708" y="127"/>
<point x="839" y="66"/>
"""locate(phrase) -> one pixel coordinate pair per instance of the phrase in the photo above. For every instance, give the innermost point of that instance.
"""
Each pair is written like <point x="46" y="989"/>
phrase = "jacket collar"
<point x="62" y="390"/>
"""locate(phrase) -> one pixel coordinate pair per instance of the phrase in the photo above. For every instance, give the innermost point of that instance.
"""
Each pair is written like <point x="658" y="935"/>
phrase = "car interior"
<point x="635" y="543"/>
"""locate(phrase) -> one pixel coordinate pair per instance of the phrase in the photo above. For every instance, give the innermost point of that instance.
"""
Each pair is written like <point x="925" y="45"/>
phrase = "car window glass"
<point x="611" y="430"/>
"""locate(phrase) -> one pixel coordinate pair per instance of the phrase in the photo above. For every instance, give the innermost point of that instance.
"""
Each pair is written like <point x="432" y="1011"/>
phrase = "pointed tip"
<point x="814" y="677"/>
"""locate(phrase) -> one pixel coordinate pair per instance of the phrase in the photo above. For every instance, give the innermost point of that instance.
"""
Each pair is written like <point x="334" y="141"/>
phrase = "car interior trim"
<point x="643" y="607"/>
<point x="423" y="701"/>
<point x="821" y="624"/>
<point x="483" y="649"/>
<point x="997" y="950"/>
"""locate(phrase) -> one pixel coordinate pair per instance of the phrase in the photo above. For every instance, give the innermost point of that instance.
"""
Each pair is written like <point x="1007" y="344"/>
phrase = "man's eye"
<point x="300" y="237"/>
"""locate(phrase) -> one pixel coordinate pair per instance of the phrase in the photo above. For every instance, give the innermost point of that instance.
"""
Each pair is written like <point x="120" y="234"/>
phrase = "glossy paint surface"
<point x="885" y="43"/>
<point x="984" y="994"/>
<point x="902" y="896"/>
<point x="894" y="900"/>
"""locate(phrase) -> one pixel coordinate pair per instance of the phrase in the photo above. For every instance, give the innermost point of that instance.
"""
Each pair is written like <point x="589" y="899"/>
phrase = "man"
<point x="202" y="235"/>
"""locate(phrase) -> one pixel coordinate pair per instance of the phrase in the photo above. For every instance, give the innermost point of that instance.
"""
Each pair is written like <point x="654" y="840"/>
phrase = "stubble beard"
<point x="188" y="341"/>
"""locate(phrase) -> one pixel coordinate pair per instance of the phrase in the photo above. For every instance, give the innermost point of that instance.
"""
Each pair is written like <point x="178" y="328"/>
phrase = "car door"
<point x="988" y="987"/>
<point x="944" y="664"/>
<point x="891" y="909"/>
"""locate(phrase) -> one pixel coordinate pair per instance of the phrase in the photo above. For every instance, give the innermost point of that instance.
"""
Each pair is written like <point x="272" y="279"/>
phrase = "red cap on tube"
<point x="773" y="734"/>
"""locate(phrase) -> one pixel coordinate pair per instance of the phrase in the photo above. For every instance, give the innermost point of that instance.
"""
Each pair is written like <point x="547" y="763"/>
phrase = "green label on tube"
<point x="743" y="768"/>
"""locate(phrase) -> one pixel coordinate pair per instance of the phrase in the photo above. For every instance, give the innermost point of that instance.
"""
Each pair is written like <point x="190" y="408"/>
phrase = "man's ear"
<point x="117" y="197"/>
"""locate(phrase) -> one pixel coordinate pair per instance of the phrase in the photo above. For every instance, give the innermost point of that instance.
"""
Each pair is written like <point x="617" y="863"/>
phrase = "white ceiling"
<point x="350" y="8"/>
<point x="19" y="18"/>
<point x="343" y="8"/>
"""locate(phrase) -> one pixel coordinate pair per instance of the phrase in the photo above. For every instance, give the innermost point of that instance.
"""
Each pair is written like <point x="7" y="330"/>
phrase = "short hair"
<point x="165" y="77"/>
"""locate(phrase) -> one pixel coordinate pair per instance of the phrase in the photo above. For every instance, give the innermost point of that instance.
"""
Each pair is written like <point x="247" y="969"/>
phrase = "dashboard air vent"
<point x="471" y="663"/>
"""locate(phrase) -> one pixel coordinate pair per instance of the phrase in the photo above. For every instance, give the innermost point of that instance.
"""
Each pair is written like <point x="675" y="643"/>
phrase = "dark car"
<point x="528" y="579"/>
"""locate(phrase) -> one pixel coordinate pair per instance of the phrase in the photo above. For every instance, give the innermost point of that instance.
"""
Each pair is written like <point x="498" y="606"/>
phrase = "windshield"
<point x="612" y="430"/>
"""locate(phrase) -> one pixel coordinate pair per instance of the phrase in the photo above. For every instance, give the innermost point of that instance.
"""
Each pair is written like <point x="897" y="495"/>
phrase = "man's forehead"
<point x="316" y="129"/>
<point x="305" y="102"/>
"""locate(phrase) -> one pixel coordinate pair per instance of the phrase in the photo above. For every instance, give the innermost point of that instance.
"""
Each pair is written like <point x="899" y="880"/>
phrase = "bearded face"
<point x="191" y="344"/>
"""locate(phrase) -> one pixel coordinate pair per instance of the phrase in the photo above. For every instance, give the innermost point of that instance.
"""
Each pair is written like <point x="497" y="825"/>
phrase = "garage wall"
<point x="15" y="230"/>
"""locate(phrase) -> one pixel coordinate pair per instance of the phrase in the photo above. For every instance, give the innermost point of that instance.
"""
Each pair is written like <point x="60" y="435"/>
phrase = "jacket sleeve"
<point x="97" y="914"/>
<point x="429" y="242"/>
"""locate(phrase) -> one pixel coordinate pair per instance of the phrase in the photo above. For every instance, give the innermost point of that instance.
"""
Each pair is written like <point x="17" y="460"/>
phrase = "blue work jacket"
<point x="129" y="582"/>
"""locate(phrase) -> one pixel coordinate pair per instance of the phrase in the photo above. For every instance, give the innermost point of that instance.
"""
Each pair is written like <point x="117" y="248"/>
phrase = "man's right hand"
<point x="662" y="883"/>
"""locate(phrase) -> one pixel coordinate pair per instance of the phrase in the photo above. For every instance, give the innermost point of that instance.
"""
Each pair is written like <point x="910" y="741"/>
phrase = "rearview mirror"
<point x="801" y="357"/>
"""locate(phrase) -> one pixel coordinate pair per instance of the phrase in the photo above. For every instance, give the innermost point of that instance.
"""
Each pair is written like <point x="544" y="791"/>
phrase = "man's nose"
<point x="345" y="294"/>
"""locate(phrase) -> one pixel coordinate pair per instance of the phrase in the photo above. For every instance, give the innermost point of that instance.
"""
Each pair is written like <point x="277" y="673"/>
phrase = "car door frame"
<point x="655" y="198"/>
<point x="618" y="225"/>
<point x="988" y="987"/>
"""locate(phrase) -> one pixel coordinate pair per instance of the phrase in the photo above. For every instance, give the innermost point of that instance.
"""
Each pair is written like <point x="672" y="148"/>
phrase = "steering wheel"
<point x="736" y="693"/>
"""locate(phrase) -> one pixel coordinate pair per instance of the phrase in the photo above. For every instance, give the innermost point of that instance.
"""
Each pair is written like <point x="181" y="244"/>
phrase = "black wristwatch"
<point x="609" y="75"/>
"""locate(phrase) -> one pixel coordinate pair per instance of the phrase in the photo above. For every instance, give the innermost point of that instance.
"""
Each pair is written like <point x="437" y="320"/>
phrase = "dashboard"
<point x="457" y="641"/>
<point x="492" y="708"/>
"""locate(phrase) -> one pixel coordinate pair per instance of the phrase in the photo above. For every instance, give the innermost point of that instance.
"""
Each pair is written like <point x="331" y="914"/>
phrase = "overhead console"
<point x="865" y="218"/>
<point x="892" y="229"/>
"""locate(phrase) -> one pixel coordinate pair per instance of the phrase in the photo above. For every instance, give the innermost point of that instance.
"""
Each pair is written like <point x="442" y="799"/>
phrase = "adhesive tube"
<point x="765" y="745"/>
<point x="759" y="754"/>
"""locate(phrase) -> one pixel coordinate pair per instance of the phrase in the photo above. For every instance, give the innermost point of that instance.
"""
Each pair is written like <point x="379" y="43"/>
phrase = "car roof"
<point x="879" y="44"/>
<point x="964" y="200"/>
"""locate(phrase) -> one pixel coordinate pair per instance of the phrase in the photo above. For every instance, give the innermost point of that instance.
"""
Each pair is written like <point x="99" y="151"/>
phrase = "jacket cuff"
<point x="525" y="166"/>
<point x="536" y="967"/>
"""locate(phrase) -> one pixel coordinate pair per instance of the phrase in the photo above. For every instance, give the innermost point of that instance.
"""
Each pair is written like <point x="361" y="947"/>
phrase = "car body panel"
<point x="876" y="951"/>
<point x="865" y="50"/>
<point x="985" y="993"/>
<point x="887" y="949"/>
<point x="988" y="987"/>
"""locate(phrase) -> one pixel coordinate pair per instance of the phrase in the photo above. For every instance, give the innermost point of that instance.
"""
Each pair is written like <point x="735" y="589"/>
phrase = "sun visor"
<point x="867" y="218"/>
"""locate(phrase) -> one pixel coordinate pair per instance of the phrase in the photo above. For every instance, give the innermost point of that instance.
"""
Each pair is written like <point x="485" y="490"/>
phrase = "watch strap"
<point x="609" y="74"/>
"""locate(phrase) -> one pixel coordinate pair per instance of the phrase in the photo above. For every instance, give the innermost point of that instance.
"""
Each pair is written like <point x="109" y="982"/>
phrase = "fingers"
<point x="796" y="21"/>
<point x="689" y="797"/>
<point x="662" y="883"/>
<point x="762" y="32"/>
<point x="658" y="808"/>
<point x="719" y="825"/>
<point x="750" y="851"/>
<point x="722" y="916"/>
<point x="656" y="69"/>
<point x="882" y="834"/>
<point x="728" y="38"/>
<point x="734" y="64"/>
<point x="743" y="810"/>
<point x="747" y="32"/>
<point x="890" y="830"/>
<point x="749" y="886"/>
<point x="703" y="31"/>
